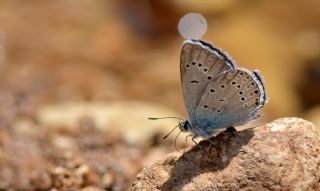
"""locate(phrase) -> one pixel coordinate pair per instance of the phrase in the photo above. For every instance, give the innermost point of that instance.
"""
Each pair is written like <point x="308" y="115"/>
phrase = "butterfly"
<point x="217" y="94"/>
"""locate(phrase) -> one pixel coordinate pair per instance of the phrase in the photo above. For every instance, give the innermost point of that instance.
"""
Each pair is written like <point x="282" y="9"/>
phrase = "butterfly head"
<point x="185" y="126"/>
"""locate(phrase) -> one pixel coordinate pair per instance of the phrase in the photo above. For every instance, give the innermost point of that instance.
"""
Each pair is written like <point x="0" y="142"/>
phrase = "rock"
<point x="91" y="188"/>
<point x="282" y="155"/>
<point x="127" y="118"/>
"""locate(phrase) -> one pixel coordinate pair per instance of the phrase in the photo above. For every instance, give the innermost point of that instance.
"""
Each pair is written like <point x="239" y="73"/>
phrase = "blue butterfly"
<point x="217" y="93"/>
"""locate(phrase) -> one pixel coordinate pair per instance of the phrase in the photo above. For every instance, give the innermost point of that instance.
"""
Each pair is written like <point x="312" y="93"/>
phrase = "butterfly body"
<point x="217" y="93"/>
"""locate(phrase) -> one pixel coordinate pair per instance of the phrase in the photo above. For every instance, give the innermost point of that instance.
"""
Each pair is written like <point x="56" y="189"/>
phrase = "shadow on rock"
<point x="207" y="156"/>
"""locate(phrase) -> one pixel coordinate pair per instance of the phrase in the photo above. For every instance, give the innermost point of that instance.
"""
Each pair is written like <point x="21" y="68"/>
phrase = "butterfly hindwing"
<point x="231" y="99"/>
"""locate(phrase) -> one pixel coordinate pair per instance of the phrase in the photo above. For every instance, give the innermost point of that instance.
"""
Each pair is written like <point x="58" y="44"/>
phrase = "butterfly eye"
<point x="185" y="127"/>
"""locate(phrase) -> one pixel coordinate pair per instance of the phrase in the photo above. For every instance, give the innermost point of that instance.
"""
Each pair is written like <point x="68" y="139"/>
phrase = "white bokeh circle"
<point x="192" y="26"/>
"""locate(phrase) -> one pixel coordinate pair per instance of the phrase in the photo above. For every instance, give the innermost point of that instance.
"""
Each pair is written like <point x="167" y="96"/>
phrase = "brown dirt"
<point x="32" y="158"/>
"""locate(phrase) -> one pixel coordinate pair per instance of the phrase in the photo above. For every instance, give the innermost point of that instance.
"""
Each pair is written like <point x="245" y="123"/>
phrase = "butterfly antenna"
<point x="213" y="143"/>
<point x="156" y="118"/>
<point x="186" y="141"/>
<point x="171" y="131"/>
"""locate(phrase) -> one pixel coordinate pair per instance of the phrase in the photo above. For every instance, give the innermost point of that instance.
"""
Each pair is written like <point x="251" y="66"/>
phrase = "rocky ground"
<point x="78" y="158"/>
<point x="78" y="80"/>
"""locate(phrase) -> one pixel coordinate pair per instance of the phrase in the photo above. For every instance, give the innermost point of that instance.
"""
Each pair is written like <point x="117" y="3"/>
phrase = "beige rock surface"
<point x="129" y="118"/>
<point x="281" y="155"/>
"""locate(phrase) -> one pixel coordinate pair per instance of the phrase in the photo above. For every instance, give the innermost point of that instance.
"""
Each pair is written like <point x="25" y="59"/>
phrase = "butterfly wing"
<point x="200" y="63"/>
<point x="230" y="99"/>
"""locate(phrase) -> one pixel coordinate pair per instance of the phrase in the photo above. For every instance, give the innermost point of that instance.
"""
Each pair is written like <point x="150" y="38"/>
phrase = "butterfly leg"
<point x="212" y="142"/>
<point x="193" y="137"/>
<point x="229" y="131"/>
<point x="209" y="138"/>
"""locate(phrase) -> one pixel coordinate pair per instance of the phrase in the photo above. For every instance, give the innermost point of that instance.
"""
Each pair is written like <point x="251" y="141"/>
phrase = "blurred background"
<point x="68" y="66"/>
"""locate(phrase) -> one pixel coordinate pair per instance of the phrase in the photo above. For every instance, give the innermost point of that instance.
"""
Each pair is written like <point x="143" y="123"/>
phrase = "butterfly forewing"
<point x="200" y="64"/>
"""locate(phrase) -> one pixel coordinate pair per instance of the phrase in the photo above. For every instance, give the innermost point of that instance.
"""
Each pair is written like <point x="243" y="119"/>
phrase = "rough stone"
<point x="281" y="155"/>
